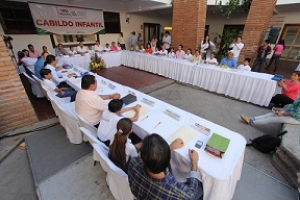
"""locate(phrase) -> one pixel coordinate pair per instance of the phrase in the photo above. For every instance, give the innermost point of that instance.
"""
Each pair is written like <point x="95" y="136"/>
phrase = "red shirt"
<point x="149" y="50"/>
<point x="114" y="48"/>
<point x="292" y="89"/>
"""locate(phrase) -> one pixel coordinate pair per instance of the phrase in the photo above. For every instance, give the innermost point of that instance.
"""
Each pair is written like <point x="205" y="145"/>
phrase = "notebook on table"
<point x="217" y="145"/>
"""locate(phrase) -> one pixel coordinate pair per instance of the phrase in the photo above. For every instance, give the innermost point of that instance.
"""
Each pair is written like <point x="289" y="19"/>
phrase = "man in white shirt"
<point x="133" y="40"/>
<point x="167" y="41"/>
<point x="28" y="62"/>
<point x="245" y="66"/>
<point x="108" y="124"/>
<point x="98" y="47"/>
<point x="121" y="41"/>
<point x="163" y="51"/>
<point x="81" y="49"/>
<point x="89" y="104"/>
<point x="237" y="46"/>
<point x="90" y="50"/>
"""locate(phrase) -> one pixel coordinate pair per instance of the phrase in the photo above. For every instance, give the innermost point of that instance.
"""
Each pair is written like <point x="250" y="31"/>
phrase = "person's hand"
<point x="115" y="96"/>
<point x="137" y="107"/>
<point x="194" y="159"/>
<point x="176" y="144"/>
<point x="62" y="92"/>
<point x="280" y="113"/>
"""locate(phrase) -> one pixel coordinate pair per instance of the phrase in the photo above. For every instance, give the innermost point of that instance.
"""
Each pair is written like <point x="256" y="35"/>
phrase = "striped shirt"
<point x="144" y="187"/>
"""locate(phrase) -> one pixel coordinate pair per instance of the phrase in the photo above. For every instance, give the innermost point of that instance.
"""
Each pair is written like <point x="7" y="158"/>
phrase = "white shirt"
<point x="119" y="48"/>
<point x="57" y="77"/>
<point x="205" y="45"/>
<point x="172" y="55"/>
<point x="209" y="60"/>
<point x="91" y="52"/>
<point x="167" y="41"/>
<point x="244" y="68"/>
<point x="130" y="150"/>
<point x="29" y="63"/>
<point x="82" y="50"/>
<point x="237" y="49"/>
<point x="163" y="52"/>
<point x="72" y="52"/>
<point x="50" y="86"/>
<point x="98" y="48"/>
<point x="108" y="126"/>
<point x="121" y="40"/>
<point x="89" y="105"/>
<point x="107" y="49"/>
<point x="188" y="57"/>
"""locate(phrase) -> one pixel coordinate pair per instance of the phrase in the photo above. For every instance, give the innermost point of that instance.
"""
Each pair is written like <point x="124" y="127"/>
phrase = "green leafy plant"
<point x="232" y="6"/>
<point x="226" y="39"/>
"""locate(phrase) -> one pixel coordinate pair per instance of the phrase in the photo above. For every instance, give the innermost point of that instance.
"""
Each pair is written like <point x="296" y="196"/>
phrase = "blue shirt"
<point x="229" y="62"/>
<point x="144" y="187"/>
<point x="38" y="66"/>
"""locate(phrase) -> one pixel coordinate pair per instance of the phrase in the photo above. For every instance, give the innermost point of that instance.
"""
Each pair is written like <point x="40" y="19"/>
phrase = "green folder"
<point x="217" y="145"/>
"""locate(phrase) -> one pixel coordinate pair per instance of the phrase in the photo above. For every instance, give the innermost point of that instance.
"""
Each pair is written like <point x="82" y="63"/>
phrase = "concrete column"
<point x="15" y="108"/>
<point x="188" y="24"/>
<point x="257" y="23"/>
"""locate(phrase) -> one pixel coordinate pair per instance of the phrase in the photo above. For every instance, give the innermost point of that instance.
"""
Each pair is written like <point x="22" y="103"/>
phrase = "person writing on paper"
<point x="72" y="51"/>
<point x="163" y="51"/>
<point x="245" y="66"/>
<point x="172" y="53"/>
<point x="188" y="56"/>
<point x="60" y="92"/>
<point x="122" y="149"/>
<point x="229" y="61"/>
<point x="60" y="51"/>
<point x="110" y="118"/>
<point x="288" y="115"/>
<point x="212" y="59"/>
<point x="81" y="49"/>
<point x="197" y="57"/>
<point x="98" y="47"/>
<point x="89" y="104"/>
<point x="236" y="47"/>
<point x="149" y="177"/>
<point x="113" y="47"/>
<point x="290" y="91"/>
<point x="180" y="53"/>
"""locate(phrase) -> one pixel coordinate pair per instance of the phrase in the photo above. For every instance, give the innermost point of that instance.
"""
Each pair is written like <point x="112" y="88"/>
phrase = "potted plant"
<point x="97" y="63"/>
<point x="226" y="39"/>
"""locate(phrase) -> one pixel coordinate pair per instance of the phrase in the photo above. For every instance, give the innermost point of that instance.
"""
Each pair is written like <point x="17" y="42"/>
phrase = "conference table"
<point x="111" y="59"/>
<point x="257" y="88"/>
<point x="218" y="176"/>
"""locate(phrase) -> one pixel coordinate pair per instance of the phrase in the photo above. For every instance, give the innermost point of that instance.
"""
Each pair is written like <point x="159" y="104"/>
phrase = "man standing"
<point x="262" y="53"/>
<point x="32" y="52"/>
<point x="167" y="41"/>
<point x="40" y="64"/>
<point x="237" y="46"/>
<point x="89" y="104"/>
<point x="133" y="40"/>
<point x="60" y="50"/>
<point x="149" y="177"/>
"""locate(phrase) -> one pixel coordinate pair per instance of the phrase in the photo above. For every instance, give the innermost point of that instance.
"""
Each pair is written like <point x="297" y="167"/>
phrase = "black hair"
<point x="267" y="41"/>
<point x="87" y="81"/>
<point x="204" y="40"/>
<point x="44" y="72"/>
<point x="49" y="59"/>
<point x="29" y="45"/>
<point x="155" y="153"/>
<point x="21" y="54"/>
<point x="181" y="46"/>
<point x="248" y="59"/>
<point x="115" y="105"/>
<point x="297" y="72"/>
<point x="43" y="53"/>
<point x="214" y="53"/>
<point x="24" y="50"/>
<point x="133" y="33"/>
<point x="44" y="47"/>
<point x="239" y="37"/>
<point x="167" y="32"/>
<point x="282" y="42"/>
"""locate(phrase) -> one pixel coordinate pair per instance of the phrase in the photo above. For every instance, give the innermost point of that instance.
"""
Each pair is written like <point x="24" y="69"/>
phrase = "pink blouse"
<point x="292" y="89"/>
<point x="278" y="49"/>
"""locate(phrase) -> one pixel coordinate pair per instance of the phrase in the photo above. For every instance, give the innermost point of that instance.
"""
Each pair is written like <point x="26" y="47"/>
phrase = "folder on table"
<point x="128" y="99"/>
<point x="217" y="145"/>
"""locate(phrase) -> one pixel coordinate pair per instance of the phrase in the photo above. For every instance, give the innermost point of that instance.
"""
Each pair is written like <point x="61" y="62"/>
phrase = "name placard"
<point x="201" y="128"/>
<point x="111" y="86"/>
<point x="148" y="102"/>
<point x="131" y="92"/>
<point x="103" y="82"/>
<point x="172" y="114"/>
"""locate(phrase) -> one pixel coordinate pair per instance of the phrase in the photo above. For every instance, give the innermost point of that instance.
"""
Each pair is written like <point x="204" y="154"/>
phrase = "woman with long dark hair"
<point x="206" y="47"/>
<point x="278" y="49"/>
<point x="121" y="149"/>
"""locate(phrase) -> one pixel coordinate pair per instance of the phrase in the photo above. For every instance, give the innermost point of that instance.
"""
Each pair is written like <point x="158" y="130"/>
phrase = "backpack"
<point x="266" y="143"/>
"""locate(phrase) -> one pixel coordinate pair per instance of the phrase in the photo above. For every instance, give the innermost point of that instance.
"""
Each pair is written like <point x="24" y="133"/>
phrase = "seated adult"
<point x="72" y="51"/>
<point x="180" y="53"/>
<point x="45" y="49"/>
<point x="122" y="149"/>
<point x="90" y="50"/>
<point x="172" y="53"/>
<point x="98" y="47"/>
<point x="196" y="57"/>
<point x="27" y="61"/>
<point x="188" y="56"/>
<point x="32" y="52"/>
<point x="148" y="49"/>
<point x="290" y="89"/>
<point x="60" y="50"/>
<point x="89" y="104"/>
<point x="142" y="49"/>
<point x="113" y="47"/>
<point x="40" y="64"/>
<point x="81" y="49"/>
<point x="56" y="75"/>
<point x="60" y="92"/>
<point x="163" y="51"/>
<point x="149" y="177"/>
<point x="288" y="115"/>
<point x="211" y="60"/>
<point x="229" y="61"/>
<point x="110" y="118"/>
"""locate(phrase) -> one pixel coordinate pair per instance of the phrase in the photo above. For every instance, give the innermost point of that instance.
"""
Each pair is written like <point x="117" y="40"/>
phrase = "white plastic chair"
<point x="116" y="178"/>
<point x="92" y="140"/>
<point x="68" y="120"/>
<point x="87" y="125"/>
<point x="36" y="90"/>
<point x="40" y="83"/>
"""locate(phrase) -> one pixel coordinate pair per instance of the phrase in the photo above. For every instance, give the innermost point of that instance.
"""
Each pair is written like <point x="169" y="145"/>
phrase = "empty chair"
<point x="116" y="178"/>
<point x="35" y="88"/>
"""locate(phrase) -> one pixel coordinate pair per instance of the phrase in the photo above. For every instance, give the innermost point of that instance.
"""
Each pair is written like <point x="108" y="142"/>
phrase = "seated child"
<point x="188" y="56"/>
<point x="106" y="48"/>
<point x="148" y="49"/>
<point x="110" y="118"/>
<point x="50" y="85"/>
<point x="142" y="49"/>
<point x="212" y="60"/>
<point x="119" y="46"/>
<point x="72" y="51"/>
<point x="245" y="66"/>
<point x="156" y="52"/>
<point x="163" y="51"/>
<point x="172" y="53"/>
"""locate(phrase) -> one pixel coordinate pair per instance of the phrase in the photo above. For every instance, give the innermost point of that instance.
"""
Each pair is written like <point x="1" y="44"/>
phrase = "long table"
<point x="111" y="59"/>
<point x="257" y="88"/>
<point x="219" y="176"/>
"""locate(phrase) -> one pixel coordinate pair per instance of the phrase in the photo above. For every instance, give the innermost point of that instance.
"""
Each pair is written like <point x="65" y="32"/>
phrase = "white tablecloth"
<point x="111" y="59"/>
<point x="219" y="176"/>
<point x="257" y="88"/>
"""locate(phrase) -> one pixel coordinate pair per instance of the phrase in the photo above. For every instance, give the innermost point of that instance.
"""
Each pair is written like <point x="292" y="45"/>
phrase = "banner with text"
<point x="55" y="19"/>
